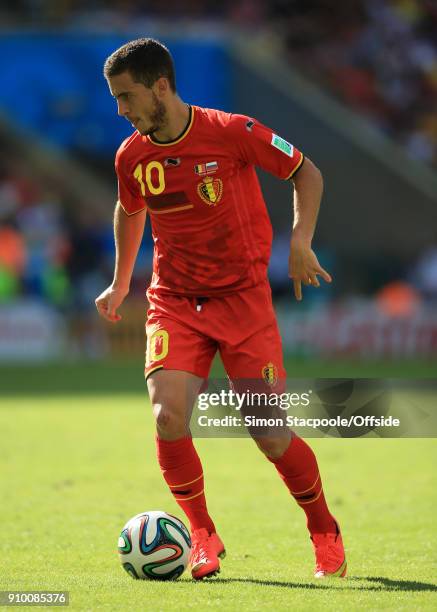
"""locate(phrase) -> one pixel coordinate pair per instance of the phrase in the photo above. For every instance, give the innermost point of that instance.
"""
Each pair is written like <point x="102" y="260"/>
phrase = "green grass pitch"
<point x="75" y="466"/>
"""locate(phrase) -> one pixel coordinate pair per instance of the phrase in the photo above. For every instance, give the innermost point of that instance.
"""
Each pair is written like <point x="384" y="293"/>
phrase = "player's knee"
<point x="273" y="447"/>
<point x="168" y="420"/>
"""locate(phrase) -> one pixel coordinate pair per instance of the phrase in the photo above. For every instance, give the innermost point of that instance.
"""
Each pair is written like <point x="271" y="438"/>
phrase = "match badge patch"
<point x="282" y="145"/>
<point x="204" y="169"/>
<point x="270" y="374"/>
<point x="210" y="190"/>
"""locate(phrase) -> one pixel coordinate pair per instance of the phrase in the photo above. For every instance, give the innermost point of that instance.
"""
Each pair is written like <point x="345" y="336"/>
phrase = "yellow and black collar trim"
<point x="181" y="136"/>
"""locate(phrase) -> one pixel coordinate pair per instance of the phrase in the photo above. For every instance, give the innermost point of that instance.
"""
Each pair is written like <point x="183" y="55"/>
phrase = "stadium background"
<point x="354" y="85"/>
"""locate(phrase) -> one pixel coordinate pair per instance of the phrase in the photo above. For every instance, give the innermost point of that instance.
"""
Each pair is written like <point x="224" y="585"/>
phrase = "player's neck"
<point x="178" y="115"/>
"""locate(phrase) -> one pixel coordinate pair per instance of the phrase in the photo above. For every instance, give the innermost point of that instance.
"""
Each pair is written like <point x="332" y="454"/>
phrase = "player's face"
<point x="138" y="104"/>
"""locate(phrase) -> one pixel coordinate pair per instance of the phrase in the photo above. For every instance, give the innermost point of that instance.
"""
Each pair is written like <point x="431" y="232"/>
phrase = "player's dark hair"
<point x="145" y="59"/>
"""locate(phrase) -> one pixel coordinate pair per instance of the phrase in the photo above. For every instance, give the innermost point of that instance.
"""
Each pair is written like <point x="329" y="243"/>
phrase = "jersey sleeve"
<point x="256" y="144"/>
<point x="129" y="194"/>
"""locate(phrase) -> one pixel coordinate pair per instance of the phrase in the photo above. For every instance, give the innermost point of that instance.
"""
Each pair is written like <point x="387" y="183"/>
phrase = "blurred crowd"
<point x="49" y="247"/>
<point x="37" y="240"/>
<point x="53" y="247"/>
<point x="378" y="56"/>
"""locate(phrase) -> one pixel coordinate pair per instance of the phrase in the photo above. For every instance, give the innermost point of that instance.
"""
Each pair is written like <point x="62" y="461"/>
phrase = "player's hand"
<point x="303" y="266"/>
<point x="109" y="301"/>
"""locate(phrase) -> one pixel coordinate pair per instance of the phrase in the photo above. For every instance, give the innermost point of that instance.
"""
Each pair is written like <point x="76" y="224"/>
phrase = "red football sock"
<point x="182" y="471"/>
<point x="299" y="470"/>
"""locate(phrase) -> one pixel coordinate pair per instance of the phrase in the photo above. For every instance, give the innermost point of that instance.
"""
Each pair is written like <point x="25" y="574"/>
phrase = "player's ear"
<point x="161" y="87"/>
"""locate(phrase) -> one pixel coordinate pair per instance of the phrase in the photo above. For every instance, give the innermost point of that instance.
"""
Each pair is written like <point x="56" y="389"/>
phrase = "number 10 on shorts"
<point x="157" y="346"/>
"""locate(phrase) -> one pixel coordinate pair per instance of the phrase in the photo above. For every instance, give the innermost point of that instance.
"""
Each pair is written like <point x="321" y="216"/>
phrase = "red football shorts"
<point x="184" y="333"/>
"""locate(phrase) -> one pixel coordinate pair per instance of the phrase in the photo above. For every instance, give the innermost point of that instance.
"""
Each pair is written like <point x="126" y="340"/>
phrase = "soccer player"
<point x="192" y="170"/>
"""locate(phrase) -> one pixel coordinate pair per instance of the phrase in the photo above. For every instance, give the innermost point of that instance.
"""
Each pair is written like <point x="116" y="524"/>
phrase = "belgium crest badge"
<point x="210" y="190"/>
<point x="270" y="374"/>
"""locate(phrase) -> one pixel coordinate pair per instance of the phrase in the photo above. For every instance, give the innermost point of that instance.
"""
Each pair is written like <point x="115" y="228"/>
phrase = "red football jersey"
<point x="211" y="230"/>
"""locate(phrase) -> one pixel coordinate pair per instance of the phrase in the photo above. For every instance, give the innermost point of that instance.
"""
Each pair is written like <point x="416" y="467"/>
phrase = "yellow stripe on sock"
<point x="311" y="501"/>
<point x="187" y="498"/>
<point x="306" y="490"/>
<point x="184" y="484"/>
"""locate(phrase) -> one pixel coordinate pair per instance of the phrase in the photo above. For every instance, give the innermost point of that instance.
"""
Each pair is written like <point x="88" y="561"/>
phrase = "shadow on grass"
<point x="380" y="584"/>
<point x="387" y="584"/>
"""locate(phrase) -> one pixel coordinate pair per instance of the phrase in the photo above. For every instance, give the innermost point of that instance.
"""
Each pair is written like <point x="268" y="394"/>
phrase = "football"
<point x="154" y="545"/>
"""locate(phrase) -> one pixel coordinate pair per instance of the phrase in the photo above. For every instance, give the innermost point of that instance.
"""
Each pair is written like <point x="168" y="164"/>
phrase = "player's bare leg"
<point x="273" y="446"/>
<point x="173" y="394"/>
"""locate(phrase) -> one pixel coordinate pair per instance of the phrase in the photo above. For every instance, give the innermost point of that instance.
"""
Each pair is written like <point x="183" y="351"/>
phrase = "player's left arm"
<point x="303" y="266"/>
<point x="254" y="143"/>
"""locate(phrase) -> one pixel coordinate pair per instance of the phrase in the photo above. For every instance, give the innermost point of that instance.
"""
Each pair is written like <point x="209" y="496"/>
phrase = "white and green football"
<point x="154" y="545"/>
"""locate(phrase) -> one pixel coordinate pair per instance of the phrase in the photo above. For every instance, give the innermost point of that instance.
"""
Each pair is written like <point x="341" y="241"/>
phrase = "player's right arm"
<point x="128" y="232"/>
<point x="129" y="220"/>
